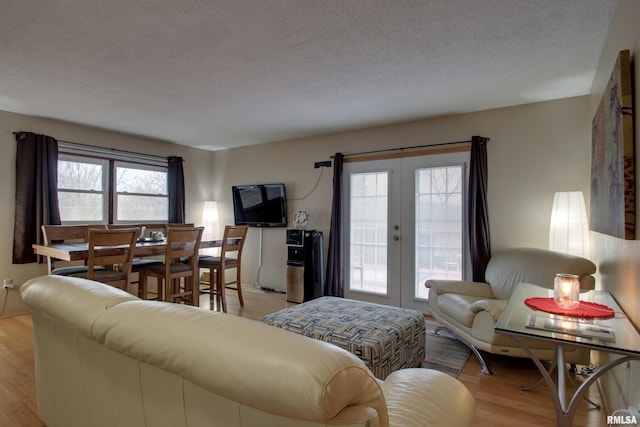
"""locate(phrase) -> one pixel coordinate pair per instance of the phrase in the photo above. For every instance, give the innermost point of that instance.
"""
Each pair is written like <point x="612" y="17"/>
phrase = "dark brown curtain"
<point x="335" y="260"/>
<point x="176" y="190"/>
<point x="36" y="192"/>
<point x="479" y="238"/>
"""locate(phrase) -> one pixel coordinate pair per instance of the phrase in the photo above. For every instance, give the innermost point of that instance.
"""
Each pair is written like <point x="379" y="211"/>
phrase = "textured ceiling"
<point x="217" y="74"/>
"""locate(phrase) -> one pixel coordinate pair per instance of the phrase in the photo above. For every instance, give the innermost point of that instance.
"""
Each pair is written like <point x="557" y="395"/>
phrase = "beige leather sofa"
<point x="471" y="309"/>
<point x="105" y="358"/>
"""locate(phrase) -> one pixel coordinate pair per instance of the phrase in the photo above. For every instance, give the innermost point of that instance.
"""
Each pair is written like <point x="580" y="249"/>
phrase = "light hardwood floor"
<point x="499" y="401"/>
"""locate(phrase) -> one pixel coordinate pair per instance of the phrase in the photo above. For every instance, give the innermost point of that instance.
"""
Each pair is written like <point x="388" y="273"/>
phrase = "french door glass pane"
<point x="438" y="204"/>
<point x="368" y="251"/>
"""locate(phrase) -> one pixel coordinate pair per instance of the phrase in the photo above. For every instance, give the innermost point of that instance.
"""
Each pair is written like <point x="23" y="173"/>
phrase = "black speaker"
<point x="313" y="265"/>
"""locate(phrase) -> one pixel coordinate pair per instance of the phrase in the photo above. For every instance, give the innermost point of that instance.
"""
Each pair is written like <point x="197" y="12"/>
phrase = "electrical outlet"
<point x="8" y="284"/>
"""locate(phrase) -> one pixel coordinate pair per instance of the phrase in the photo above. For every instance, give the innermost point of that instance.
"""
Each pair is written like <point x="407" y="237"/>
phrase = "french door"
<point x="404" y="222"/>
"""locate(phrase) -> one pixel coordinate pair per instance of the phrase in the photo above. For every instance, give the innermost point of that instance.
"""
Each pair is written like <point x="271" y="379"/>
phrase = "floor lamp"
<point x="211" y="223"/>
<point x="569" y="229"/>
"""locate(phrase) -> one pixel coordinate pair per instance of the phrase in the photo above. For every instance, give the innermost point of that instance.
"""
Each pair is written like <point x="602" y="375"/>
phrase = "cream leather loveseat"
<point x="105" y="358"/>
<point x="471" y="309"/>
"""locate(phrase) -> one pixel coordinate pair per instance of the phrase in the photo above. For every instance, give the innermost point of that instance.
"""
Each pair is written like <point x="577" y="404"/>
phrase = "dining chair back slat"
<point x="65" y="233"/>
<point x="179" y="224"/>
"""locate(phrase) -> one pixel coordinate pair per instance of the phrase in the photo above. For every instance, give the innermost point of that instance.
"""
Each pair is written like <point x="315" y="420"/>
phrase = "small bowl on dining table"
<point x="157" y="236"/>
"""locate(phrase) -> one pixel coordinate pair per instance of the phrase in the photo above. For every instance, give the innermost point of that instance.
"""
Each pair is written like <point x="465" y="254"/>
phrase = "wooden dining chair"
<point x="137" y="264"/>
<point x="177" y="275"/>
<point x="53" y="234"/>
<point x="110" y="256"/>
<point x="230" y="257"/>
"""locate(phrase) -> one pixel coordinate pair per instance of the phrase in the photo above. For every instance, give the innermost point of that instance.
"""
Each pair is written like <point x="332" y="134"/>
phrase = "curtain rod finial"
<point x="480" y="139"/>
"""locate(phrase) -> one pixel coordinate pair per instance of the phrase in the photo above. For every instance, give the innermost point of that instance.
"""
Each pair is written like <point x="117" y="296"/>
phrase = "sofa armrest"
<point x="427" y="398"/>
<point x="473" y="289"/>
<point x="494" y="306"/>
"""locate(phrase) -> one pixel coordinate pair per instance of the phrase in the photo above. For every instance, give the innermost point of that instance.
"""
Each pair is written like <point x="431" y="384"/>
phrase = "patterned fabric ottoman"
<point x="385" y="338"/>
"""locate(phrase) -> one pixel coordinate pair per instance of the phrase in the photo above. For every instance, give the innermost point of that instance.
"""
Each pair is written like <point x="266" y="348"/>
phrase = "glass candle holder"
<point x="566" y="290"/>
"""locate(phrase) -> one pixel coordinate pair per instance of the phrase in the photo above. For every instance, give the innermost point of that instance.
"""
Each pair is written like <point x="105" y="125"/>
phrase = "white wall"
<point x="619" y="260"/>
<point x="535" y="150"/>
<point x="197" y="177"/>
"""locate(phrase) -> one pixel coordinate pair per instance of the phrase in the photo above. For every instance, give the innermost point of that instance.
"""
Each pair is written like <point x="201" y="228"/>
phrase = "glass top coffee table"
<point x="616" y="335"/>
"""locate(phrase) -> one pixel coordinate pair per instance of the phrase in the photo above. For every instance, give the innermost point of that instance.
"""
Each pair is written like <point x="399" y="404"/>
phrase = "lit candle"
<point x="569" y="325"/>
<point x="566" y="290"/>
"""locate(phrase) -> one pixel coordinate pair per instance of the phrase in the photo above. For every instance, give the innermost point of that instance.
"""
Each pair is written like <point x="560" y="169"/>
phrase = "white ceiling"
<point x="224" y="73"/>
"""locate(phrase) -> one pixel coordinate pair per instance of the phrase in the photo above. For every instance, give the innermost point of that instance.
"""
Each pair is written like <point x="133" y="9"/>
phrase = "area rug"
<point x="444" y="353"/>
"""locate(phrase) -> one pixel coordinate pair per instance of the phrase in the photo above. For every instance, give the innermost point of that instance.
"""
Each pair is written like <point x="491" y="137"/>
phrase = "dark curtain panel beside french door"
<point x="335" y="259"/>
<point x="479" y="237"/>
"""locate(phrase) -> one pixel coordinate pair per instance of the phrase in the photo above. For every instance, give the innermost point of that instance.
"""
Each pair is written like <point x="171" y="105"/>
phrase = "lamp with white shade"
<point x="210" y="220"/>
<point x="569" y="229"/>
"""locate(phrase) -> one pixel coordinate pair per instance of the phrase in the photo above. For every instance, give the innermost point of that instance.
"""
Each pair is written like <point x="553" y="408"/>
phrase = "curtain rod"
<point x="114" y="151"/>
<point x="95" y="149"/>
<point x="410" y="148"/>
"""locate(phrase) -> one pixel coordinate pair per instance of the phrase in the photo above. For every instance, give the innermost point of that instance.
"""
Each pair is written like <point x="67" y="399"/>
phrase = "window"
<point x="99" y="190"/>
<point x="82" y="185"/>
<point x="141" y="193"/>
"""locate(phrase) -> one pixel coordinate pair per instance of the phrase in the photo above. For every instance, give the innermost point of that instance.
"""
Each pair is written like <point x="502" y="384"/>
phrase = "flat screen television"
<point x="260" y="205"/>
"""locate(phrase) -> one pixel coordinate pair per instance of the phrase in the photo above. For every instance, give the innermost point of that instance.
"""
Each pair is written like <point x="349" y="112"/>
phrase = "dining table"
<point x="80" y="251"/>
